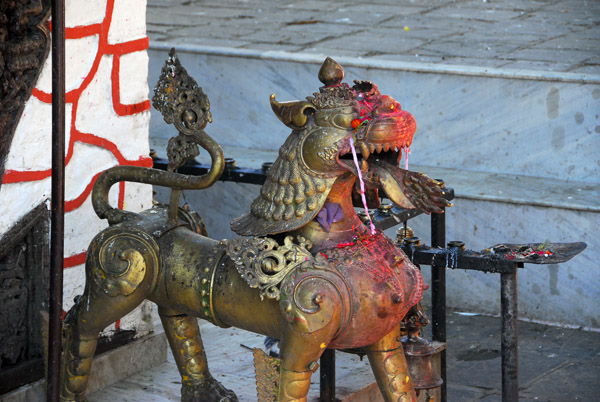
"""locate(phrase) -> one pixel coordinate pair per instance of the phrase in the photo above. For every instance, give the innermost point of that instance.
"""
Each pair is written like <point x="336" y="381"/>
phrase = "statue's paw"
<point x="425" y="193"/>
<point x="209" y="390"/>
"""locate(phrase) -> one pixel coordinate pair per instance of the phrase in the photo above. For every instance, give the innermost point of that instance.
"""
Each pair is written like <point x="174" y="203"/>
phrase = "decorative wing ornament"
<point x="263" y="263"/>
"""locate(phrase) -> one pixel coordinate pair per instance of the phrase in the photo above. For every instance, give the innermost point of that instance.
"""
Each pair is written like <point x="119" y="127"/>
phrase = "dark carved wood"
<point x="24" y="271"/>
<point x="24" y="45"/>
<point x="24" y="293"/>
<point x="14" y="294"/>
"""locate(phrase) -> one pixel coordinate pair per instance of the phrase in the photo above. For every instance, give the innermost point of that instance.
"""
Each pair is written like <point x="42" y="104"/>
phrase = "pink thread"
<point x="362" y="185"/>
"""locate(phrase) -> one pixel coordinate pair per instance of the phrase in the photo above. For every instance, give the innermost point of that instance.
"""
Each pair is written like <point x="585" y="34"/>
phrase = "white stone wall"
<point x="107" y="119"/>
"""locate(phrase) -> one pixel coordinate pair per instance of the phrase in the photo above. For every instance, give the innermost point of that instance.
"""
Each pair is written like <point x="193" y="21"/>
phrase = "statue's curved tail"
<point x="182" y="103"/>
<point x="155" y="177"/>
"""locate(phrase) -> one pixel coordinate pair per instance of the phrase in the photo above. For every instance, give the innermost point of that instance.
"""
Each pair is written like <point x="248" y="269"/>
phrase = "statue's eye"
<point x="360" y="97"/>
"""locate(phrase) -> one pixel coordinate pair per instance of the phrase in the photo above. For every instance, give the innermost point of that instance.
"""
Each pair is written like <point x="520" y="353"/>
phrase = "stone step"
<point x="531" y="123"/>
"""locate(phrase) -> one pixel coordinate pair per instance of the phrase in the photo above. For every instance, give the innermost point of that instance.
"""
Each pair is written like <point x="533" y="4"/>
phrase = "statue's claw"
<point x="411" y="190"/>
<point x="209" y="390"/>
<point x="425" y="193"/>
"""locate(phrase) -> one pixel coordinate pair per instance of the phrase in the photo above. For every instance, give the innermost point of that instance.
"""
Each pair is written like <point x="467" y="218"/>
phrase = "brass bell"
<point x="420" y="355"/>
<point x="404" y="232"/>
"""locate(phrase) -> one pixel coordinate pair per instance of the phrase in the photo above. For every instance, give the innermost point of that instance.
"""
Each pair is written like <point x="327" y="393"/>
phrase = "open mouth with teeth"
<point x="368" y="154"/>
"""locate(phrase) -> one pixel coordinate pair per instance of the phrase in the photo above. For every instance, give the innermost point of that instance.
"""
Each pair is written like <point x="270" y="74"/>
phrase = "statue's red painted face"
<point x="382" y="125"/>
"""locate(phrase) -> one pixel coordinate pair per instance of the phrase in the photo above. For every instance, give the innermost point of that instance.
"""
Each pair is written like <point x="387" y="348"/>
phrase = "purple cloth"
<point x="331" y="212"/>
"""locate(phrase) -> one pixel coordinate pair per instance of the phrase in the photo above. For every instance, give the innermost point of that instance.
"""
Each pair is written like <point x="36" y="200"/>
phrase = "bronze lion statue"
<point x="307" y="270"/>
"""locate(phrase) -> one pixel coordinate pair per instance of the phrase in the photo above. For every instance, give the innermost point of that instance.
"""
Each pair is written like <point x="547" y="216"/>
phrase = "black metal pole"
<point x="509" y="338"/>
<point x="57" y="200"/>
<point x="438" y="293"/>
<point x="327" y="376"/>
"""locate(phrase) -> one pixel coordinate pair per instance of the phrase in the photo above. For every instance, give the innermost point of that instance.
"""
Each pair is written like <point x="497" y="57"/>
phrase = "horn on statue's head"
<point x="293" y="114"/>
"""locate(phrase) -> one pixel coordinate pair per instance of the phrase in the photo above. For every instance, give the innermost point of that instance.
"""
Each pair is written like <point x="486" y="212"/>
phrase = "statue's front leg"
<point x="390" y="368"/>
<point x="299" y="359"/>
<point x="312" y="309"/>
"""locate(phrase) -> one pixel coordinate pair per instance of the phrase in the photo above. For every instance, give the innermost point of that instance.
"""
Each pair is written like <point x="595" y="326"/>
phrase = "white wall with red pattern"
<point x="107" y="120"/>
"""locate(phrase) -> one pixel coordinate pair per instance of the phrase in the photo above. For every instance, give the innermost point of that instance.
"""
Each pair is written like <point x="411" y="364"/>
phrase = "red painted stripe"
<point x="42" y="96"/>
<point x="18" y="176"/>
<point x="100" y="142"/>
<point x="76" y="202"/>
<point x="121" y="109"/>
<point x="146" y="161"/>
<point x="128" y="47"/>
<point x="74" y="260"/>
<point x="110" y="7"/>
<point x="80" y="31"/>
<point x="121" y="201"/>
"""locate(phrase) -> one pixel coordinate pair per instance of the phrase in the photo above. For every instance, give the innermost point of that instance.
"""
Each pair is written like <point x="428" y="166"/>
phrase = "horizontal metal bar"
<point x="231" y="173"/>
<point x="237" y="174"/>
<point x="458" y="259"/>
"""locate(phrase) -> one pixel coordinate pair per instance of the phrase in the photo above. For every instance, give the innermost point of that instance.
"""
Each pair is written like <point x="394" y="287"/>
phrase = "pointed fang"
<point x="364" y="150"/>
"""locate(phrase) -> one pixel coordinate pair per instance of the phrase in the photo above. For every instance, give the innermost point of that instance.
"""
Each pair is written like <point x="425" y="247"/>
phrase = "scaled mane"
<point x="291" y="197"/>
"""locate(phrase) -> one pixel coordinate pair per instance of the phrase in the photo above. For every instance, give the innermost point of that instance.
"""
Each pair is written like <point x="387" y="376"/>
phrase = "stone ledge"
<point x="382" y="64"/>
<point x="517" y="189"/>
<point x="107" y="369"/>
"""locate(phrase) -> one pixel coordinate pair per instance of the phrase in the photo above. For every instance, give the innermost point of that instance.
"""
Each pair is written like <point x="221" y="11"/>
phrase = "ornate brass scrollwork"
<point x="124" y="257"/>
<point x="263" y="263"/>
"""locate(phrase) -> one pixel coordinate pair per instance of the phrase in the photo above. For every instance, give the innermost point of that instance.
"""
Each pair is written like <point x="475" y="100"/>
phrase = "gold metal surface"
<point x="294" y="385"/>
<point x="268" y="373"/>
<point x="404" y="232"/>
<point x="331" y="73"/>
<point x="390" y="368"/>
<point x="419" y="355"/>
<point x="293" y="114"/>
<point x="349" y="290"/>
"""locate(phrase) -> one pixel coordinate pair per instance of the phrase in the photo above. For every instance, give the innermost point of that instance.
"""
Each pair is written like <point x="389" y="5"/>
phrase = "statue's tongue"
<point x="391" y="181"/>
